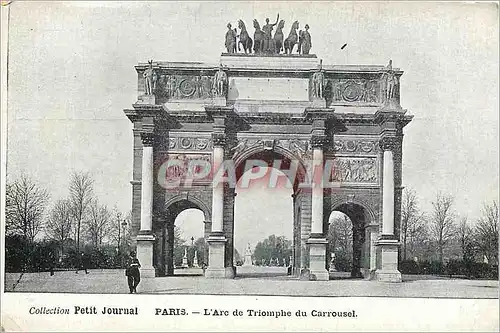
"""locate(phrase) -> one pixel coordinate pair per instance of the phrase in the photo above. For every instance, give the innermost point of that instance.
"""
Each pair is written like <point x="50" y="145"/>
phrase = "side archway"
<point x="361" y="218"/>
<point x="166" y="231"/>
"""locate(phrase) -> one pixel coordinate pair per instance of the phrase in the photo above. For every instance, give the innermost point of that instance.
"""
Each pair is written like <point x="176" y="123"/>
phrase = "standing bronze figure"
<point x="278" y="38"/>
<point x="305" y="43"/>
<point x="268" y="29"/>
<point x="230" y="39"/>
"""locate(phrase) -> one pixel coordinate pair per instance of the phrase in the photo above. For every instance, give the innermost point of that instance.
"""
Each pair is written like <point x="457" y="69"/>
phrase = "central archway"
<point x="272" y="193"/>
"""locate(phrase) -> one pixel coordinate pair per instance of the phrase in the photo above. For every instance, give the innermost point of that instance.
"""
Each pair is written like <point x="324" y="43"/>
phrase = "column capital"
<point x="147" y="139"/>
<point x="218" y="139"/>
<point x="388" y="143"/>
<point x="318" y="141"/>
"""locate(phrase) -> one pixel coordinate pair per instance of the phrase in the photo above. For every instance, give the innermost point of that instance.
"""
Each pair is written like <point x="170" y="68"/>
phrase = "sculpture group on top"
<point x="264" y="42"/>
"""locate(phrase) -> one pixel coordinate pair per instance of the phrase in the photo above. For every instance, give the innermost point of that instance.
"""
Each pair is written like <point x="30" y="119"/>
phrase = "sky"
<point x="71" y="73"/>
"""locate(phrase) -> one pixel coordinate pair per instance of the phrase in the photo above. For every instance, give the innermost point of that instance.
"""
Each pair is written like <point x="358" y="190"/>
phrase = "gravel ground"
<point x="258" y="281"/>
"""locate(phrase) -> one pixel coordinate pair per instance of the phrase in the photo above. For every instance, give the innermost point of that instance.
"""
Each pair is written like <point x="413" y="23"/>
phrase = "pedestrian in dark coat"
<point x="132" y="272"/>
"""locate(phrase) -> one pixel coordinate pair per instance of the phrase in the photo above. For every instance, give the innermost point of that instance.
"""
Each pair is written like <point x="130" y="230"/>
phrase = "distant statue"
<point x="220" y="82"/>
<point x="249" y="249"/>
<point x="268" y="29"/>
<point x="150" y="79"/>
<point x="305" y="43"/>
<point x="292" y="38"/>
<point x="318" y="82"/>
<point x="258" y="38"/>
<point x="278" y="38"/>
<point x="230" y="39"/>
<point x="245" y="39"/>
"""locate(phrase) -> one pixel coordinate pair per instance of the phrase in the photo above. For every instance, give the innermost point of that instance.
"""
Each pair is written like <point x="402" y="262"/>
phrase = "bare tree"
<point x="120" y="230"/>
<point x="58" y="225"/>
<point x="442" y="222"/>
<point x="465" y="237"/>
<point x="487" y="232"/>
<point x="98" y="223"/>
<point x="80" y="189"/>
<point x="412" y="221"/>
<point x="25" y="205"/>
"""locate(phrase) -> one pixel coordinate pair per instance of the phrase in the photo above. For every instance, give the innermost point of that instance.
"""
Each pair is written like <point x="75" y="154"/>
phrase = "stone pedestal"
<point x="216" y="247"/>
<point x="185" y="259"/>
<point x="317" y="259"/>
<point x="195" y="260"/>
<point x="219" y="101"/>
<point x="146" y="99"/>
<point x="318" y="102"/>
<point x="145" y="254"/>
<point x="248" y="260"/>
<point x="332" y="266"/>
<point x="387" y="265"/>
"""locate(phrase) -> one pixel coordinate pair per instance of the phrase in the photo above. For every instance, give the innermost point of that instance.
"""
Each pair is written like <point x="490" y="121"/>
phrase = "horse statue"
<point x="245" y="39"/>
<point x="258" y="38"/>
<point x="292" y="38"/>
<point x="278" y="37"/>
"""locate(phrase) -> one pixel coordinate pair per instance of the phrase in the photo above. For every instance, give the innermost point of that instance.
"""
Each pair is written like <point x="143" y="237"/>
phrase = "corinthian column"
<point x="317" y="241"/>
<point x="145" y="237"/>
<point x="217" y="239"/>
<point x="317" y="143"/>
<point x="218" y="189"/>
<point x="387" y="245"/>
<point x="388" y="188"/>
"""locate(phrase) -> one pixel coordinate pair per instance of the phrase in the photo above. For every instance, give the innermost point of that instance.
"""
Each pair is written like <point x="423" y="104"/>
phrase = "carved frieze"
<point x="355" y="90"/>
<point x="246" y="144"/>
<point x="301" y="148"/>
<point x="184" y="86"/>
<point x="356" y="146"/>
<point x="354" y="170"/>
<point x="190" y="143"/>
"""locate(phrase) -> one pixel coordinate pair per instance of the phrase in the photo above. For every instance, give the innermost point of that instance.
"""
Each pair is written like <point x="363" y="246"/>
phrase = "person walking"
<point x="83" y="263"/>
<point x="132" y="272"/>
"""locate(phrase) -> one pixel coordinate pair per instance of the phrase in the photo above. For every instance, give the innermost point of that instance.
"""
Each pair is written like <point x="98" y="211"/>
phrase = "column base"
<point x="387" y="260"/>
<point x="148" y="272"/>
<point x="145" y="254"/>
<point x="388" y="276"/>
<point x="219" y="273"/>
<point x="216" y="248"/>
<point x="317" y="259"/>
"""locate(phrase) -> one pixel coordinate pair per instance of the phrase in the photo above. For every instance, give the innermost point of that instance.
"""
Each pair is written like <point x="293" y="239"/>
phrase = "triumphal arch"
<point x="335" y="130"/>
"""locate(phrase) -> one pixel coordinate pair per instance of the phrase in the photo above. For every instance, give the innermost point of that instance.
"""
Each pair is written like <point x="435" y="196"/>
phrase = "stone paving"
<point x="262" y="281"/>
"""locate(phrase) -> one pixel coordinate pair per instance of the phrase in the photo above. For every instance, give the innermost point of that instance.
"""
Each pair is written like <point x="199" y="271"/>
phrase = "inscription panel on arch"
<point x="179" y="169"/>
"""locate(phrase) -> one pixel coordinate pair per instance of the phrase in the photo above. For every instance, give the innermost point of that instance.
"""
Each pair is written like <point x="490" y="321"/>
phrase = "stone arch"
<point x="240" y="158"/>
<point x="186" y="201"/>
<point x="336" y="203"/>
